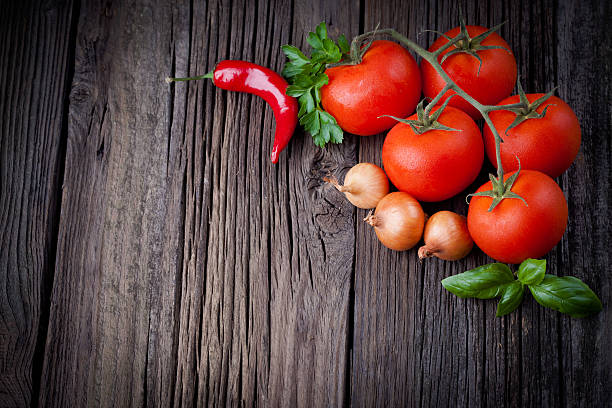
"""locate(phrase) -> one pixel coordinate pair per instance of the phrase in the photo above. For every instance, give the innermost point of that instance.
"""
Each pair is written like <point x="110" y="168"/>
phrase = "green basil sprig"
<point x="307" y="76"/>
<point x="531" y="272"/>
<point x="565" y="294"/>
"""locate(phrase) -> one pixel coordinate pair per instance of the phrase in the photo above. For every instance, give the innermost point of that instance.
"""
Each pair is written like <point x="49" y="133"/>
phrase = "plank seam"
<point x="44" y="322"/>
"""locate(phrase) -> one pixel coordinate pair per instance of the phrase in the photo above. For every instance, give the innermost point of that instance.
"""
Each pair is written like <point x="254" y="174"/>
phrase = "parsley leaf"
<point x="344" y="45"/>
<point x="306" y="76"/>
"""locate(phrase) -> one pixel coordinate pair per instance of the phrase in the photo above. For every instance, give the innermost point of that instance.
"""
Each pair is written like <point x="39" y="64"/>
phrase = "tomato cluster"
<point x="433" y="160"/>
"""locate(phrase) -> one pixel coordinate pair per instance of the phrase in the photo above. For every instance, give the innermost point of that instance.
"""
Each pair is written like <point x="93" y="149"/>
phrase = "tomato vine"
<point x="501" y="188"/>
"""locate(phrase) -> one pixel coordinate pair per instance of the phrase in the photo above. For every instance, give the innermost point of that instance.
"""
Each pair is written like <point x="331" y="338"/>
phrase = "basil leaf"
<point x="511" y="298"/>
<point x="484" y="282"/>
<point x="566" y="294"/>
<point x="532" y="271"/>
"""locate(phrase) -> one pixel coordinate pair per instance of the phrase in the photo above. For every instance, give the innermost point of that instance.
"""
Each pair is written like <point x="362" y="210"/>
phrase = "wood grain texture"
<point x="266" y="274"/>
<point x="583" y="74"/>
<point x="112" y="325"/>
<point x="415" y="344"/>
<point x="259" y="292"/>
<point x="456" y="352"/>
<point x="35" y="48"/>
<point x="190" y="271"/>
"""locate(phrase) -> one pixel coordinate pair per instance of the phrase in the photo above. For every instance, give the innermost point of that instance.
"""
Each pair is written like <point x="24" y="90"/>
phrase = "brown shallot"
<point x="446" y="237"/>
<point x="364" y="185"/>
<point x="398" y="221"/>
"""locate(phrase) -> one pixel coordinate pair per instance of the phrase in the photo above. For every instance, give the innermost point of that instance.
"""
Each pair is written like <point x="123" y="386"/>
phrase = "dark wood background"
<point x="151" y="255"/>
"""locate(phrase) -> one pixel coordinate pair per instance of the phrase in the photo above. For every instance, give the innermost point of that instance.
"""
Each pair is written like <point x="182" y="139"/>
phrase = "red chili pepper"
<point x="243" y="76"/>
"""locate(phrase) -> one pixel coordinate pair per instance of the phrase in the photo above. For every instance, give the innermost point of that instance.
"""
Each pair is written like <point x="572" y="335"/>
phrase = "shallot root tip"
<point x="425" y="252"/>
<point x="334" y="182"/>
<point x="371" y="219"/>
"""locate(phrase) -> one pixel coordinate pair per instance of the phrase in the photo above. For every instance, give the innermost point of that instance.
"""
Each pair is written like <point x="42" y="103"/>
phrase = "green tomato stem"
<point x="500" y="168"/>
<point x="435" y="100"/>
<point x="446" y="46"/>
<point x="489" y="108"/>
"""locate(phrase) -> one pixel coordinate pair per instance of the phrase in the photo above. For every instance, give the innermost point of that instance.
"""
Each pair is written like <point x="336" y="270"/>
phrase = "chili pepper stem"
<point x="208" y="75"/>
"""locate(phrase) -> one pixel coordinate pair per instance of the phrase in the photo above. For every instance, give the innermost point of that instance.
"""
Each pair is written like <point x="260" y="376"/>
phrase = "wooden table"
<point x="151" y="255"/>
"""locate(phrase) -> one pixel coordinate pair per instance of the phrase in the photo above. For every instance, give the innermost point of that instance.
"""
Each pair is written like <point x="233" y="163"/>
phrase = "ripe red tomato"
<point x="549" y="144"/>
<point x="387" y="82"/>
<point x="437" y="164"/>
<point x="494" y="82"/>
<point x="513" y="231"/>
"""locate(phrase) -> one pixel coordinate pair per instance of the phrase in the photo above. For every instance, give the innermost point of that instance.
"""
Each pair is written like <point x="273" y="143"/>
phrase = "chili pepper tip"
<point x="274" y="155"/>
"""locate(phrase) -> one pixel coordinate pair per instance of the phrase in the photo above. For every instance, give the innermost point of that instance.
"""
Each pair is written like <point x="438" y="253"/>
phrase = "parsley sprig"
<point x="307" y="75"/>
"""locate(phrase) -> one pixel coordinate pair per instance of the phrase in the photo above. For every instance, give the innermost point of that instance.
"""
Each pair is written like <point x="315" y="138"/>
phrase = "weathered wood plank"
<point x="268" y="258"/>
<point x="35" y="47"/>
<point x="416" y="344"/>
<point x="409" y="350"/>
<point x="112" y="332"/>
<point x="534" y="38"/>
<point x="310" y="304"/>
<point x="584" y="72"/>
<point x="192" y="271"/>
<point x="128" y="171"/>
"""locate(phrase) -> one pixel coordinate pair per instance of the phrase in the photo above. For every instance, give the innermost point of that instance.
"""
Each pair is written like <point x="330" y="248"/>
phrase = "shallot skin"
<point x="446" y="237"/>
<point x="398" y="221"/>
<point x="365" y="185"/>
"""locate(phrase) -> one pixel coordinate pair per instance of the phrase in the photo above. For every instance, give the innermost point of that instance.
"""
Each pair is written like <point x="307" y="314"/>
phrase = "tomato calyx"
<point x="359" y="46"/>
<point x="426" y="121"/>
<point x="527" y="110"/>
<point x="463" y="43"/>
<point x="501" y="189"/>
